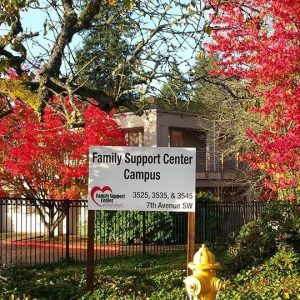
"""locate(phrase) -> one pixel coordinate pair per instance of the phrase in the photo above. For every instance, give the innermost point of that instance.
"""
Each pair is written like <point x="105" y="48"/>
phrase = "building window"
<point x="134" y="137"/>
<point x="187" y="137"/>
<point x="176" y="138"/>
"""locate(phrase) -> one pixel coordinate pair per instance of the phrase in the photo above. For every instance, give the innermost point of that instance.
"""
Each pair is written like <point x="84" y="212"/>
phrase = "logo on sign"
<point x="103" y="196"/>
<point x="100" y="195"/>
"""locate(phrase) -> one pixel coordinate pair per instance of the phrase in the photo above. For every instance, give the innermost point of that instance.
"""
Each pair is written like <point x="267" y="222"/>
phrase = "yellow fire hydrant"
<point x="203" y="284"/>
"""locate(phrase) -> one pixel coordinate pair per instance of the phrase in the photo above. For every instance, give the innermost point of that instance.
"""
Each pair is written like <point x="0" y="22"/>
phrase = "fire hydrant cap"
<point x="204" y="259"/>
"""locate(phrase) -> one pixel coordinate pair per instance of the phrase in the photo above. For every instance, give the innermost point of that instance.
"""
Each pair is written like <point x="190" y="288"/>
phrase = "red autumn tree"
<point x="258" y="41"/>
<point x="47" y="160"/>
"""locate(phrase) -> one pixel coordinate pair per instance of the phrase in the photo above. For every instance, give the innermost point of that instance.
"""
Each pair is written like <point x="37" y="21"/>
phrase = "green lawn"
<point x="151" y="277"/>
<point x="136" y="277"/>
<point x="260" y="262"/>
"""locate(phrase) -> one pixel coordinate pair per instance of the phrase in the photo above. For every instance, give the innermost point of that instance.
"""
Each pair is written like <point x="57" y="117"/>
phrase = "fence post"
<point x="67" y="229"/>
<point x="90" y="251"/>
<point x="144" y="232"/>
<point x="204" y="206"/>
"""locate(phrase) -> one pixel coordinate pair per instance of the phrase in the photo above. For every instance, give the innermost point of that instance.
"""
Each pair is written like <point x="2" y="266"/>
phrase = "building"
<point x="216" y="173"/>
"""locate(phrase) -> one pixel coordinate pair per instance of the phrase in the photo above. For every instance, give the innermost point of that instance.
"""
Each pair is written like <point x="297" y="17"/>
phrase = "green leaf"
<point x="207" y="29"/>
<point x="128" y="4"/>
<point x="19" y="3"/>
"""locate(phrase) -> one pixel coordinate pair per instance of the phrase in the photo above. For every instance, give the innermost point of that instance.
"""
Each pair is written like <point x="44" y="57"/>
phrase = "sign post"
<point x="190" y="240"/>
<point x="140" y="178"/>
<point x="90" y="251"/>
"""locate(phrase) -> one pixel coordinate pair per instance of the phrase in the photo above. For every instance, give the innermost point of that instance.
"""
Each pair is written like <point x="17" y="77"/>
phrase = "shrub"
<point x="278" y="278"/>
<point x="206" y="196"/>
<point x="281" y="221"/>
<point x="278" y="224"/>
<point x="127" y="227"/>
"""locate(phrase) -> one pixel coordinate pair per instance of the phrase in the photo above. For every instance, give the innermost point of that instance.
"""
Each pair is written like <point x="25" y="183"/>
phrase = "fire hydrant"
<point x="203" y="284"/>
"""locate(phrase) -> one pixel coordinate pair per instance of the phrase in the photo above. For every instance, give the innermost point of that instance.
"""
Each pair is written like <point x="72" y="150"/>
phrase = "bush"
<point x="281" y="221"/>
<point x="278" y="224"/>
<point x="126" y="227"/>
<point x="278" y="278"/>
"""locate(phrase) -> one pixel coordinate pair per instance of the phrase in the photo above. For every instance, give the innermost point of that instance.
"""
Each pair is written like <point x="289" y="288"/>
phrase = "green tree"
<point x="174" y="89"/>
<point x="43" y="56"/>
<point x="228" y="102"/>
<point x="107" y="45"/>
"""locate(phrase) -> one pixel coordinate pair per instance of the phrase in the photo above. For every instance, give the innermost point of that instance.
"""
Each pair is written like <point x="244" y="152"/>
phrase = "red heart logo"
<point x="96" y="189"/>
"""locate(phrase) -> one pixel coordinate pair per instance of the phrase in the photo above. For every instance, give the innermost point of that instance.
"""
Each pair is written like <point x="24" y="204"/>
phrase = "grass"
<point x="151" y="277"/>
<point x="138" y="277"/>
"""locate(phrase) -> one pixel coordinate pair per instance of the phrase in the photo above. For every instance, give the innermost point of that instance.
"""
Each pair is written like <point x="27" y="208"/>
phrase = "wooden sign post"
<point x="191" y="239"/>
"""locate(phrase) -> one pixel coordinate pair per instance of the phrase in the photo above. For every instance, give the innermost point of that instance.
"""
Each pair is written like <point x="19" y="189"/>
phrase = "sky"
<point x="34" y="19"/>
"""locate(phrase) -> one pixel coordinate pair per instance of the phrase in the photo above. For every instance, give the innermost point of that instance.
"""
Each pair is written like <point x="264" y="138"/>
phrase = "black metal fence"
<point x="44" y="231"/>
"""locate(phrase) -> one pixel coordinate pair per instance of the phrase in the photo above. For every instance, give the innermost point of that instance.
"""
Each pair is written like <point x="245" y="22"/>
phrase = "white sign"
<point x="142" y="178"/>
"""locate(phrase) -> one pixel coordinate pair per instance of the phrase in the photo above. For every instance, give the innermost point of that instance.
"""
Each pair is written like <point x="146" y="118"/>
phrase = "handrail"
<point x="209" y="161"/>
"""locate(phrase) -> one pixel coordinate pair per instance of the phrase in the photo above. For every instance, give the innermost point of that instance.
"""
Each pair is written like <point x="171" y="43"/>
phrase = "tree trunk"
<point x="51" y="225"/>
